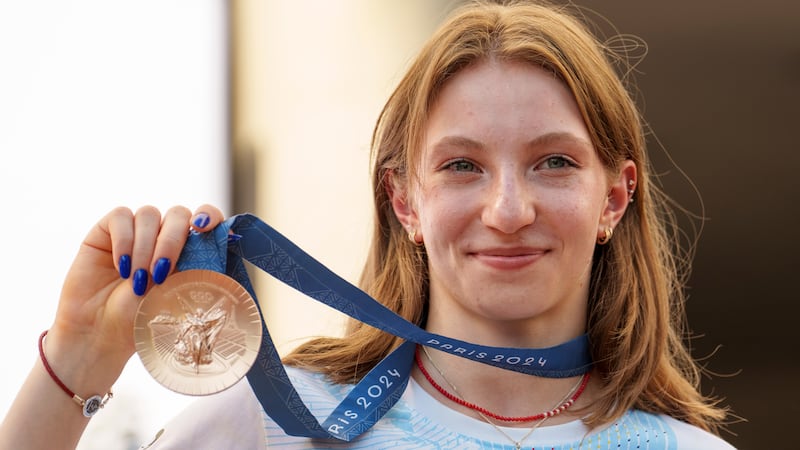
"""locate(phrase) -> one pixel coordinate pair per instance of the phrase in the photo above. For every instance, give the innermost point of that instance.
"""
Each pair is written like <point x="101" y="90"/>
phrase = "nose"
<point x="509" y="204"/>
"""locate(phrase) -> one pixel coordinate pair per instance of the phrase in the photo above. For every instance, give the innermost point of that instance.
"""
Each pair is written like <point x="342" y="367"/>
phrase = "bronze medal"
<point x="198" y="333"/>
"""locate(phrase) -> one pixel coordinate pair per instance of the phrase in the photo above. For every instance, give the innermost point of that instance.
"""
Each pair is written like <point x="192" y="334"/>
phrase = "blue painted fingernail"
<point x="201" y="220"/>
<point x="139" y="282"/>
<point x="233" y="237"/>
<point x="125" y="266"/>
<point x="161" y="270"/>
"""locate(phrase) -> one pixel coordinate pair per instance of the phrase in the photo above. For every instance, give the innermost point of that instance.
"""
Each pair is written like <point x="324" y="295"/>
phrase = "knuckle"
<point x="171" y="240"/>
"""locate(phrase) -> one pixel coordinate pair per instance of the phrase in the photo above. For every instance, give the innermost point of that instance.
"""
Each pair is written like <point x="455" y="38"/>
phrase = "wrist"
<point x="84" y="380"/>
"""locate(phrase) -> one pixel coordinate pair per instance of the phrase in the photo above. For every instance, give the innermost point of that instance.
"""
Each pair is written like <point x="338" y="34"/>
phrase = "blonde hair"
<point x="636" y="322"/>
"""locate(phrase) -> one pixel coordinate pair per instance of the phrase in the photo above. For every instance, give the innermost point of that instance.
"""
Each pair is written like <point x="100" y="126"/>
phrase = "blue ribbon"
<point x="380" y="389"/>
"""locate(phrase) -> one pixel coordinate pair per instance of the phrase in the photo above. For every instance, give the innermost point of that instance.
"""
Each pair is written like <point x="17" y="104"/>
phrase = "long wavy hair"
<point x="636" y="321"/>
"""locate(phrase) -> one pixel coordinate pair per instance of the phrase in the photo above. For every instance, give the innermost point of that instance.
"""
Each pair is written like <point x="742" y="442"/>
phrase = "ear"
<point x="619" y="196"/>
<point x="397" y="189"/>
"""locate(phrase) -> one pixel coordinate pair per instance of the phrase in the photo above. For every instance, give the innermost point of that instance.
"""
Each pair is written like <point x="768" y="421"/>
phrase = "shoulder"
<point x="675" y="433"/>
<point x="690" y="437"/>
<point x="317" y="391"/>
<point x="213" y="422"/>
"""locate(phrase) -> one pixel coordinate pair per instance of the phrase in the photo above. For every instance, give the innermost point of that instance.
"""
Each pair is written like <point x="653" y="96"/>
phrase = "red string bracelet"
<point x="91" y="405"/>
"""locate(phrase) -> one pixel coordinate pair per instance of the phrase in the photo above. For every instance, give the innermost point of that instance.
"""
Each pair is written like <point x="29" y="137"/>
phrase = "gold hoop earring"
<point x="607" y="233"/>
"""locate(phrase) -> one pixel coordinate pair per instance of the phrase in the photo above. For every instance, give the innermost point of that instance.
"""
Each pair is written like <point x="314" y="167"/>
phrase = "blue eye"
<point x="461" y="165"/>
<point x="556" y="162"/>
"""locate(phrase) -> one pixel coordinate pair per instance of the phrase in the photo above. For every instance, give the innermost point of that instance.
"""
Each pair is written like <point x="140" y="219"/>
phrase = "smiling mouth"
<point x="508" y="260"/>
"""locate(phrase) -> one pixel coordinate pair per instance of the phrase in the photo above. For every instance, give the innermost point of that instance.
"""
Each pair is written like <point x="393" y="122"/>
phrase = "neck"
<point x="528" y="333"/>
<point x="503" y="392"/>
<point x="532" y="327"/>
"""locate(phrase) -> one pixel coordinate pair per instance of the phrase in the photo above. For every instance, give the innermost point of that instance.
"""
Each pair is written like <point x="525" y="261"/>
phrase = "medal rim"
<point x="159" y="367"/>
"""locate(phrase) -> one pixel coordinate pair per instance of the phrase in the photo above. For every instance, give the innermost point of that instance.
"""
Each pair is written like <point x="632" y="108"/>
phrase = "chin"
<point x="512" y="314"/>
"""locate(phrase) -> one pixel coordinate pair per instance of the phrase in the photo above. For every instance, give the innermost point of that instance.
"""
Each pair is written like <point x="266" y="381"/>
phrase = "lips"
<point x="508" y="258"/>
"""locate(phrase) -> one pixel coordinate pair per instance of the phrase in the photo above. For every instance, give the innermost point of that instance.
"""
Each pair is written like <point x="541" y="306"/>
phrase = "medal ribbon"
<point x="380" y="389"/>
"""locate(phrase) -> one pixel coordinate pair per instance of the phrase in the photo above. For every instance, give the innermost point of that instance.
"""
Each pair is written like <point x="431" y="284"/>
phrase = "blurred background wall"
<point x="268" y="107"/>
<point x="309" y="79"/>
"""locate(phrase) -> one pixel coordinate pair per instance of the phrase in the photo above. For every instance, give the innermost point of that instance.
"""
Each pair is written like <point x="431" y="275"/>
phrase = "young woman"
<point x="515" y="208"/>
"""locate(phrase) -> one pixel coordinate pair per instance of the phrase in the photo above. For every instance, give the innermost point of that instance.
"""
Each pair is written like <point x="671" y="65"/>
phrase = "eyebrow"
<point x="545" y="139"/>
<point x="560" y="136"/>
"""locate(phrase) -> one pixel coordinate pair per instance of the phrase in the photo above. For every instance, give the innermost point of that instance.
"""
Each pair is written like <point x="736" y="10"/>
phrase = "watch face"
<point x="198" y="333"/>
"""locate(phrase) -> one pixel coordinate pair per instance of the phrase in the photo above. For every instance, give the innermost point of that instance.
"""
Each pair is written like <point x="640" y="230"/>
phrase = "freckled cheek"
<point x="443" y="217"/>
<point x="447" y="220"/>
<point x="575" y="214"/>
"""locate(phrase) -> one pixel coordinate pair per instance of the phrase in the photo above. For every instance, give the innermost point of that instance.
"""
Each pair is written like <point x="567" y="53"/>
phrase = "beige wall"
<point x="310" y="78"/>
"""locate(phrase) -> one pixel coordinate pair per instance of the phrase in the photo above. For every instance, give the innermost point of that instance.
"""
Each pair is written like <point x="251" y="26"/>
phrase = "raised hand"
<point x="91" y="338"/>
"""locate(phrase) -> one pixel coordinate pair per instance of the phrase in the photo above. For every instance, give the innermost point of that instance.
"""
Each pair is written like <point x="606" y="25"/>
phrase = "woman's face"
<point x="510" y="201"/>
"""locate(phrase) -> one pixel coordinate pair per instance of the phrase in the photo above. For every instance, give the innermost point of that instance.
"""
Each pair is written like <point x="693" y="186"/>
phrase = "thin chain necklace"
<point x="539" y="419"/>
